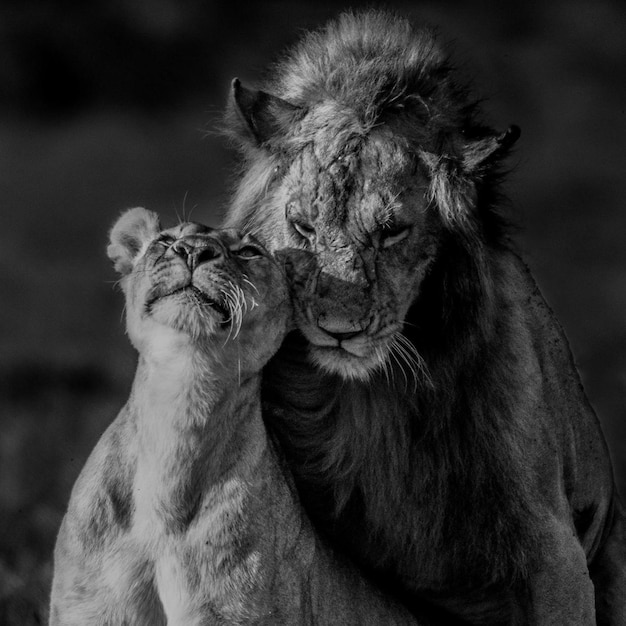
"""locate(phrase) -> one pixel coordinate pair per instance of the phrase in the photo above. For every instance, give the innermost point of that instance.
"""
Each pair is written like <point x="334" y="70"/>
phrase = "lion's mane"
<point x="384" y="70"/>
<point x="423" y="480"/>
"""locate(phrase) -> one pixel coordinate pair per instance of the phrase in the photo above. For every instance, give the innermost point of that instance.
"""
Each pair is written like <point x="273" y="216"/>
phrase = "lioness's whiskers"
<point x="230" y="306"/>
<point x="242" y="298"/>
<point x="249" y="282"/>
<point x="187" y="216"/>
<point x="116" y="283"/>
<point x="239" y="364"/>
<point x="237" y="306"/>
<point x="242" y="306"/>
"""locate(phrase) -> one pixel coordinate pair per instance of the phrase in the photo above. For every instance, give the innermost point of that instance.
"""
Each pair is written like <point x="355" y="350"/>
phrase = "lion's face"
<point x="361" y="159"/>
<point x="205" y="287"/>
<point x="359" y="235"/>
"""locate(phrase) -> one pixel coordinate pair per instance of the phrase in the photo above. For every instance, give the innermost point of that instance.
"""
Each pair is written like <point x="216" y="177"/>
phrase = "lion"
<point x="184" y="514"/>
<point x="427" y="402"/>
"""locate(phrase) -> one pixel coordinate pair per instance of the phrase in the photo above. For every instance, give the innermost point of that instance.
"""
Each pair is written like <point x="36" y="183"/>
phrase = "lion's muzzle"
<point x="343" y="298"/>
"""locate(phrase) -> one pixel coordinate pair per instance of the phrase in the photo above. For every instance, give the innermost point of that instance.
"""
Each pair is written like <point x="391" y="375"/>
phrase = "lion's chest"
<point x="415" y="512"/>
<point x="430" y="507"/>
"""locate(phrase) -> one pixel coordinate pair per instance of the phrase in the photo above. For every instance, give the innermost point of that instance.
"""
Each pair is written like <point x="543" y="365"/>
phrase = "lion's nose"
<point x="195" y="255"/>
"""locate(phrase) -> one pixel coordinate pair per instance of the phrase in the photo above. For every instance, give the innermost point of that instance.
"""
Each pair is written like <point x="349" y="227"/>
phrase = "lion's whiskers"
<point x="384" y="364"/>
<point x="417" y="359"/>
<point x="405" y="354"/>
<point x="395" y="356"/>
<point x="411" y="364"/>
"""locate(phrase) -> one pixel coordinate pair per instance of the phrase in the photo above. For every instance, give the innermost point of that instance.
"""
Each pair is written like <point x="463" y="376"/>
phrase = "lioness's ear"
<point x="479" y="153"/>
<point x="132" y="230"/>
<point x="258" y="115"/>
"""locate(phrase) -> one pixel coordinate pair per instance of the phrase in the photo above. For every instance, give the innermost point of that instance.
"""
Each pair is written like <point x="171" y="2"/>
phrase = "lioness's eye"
<point x="248" y="252"/>
<point x="166" y="240"/>
<point x="393" y="236"/>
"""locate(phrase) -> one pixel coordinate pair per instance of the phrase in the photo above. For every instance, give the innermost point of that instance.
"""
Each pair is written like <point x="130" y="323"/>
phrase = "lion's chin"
<point x="335" y="360"/>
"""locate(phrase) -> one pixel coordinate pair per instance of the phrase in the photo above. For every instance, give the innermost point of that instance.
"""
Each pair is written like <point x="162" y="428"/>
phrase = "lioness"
<point x="183" y="513"/>
<point x="428" y="403"/>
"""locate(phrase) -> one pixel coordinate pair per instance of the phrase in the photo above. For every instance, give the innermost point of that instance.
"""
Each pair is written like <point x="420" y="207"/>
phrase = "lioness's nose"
<point x="204" y="252"/>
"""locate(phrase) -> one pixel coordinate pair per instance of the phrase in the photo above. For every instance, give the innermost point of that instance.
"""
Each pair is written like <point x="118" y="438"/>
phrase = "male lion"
<point x="428" y="403"/>
<point x="183" y="514"/>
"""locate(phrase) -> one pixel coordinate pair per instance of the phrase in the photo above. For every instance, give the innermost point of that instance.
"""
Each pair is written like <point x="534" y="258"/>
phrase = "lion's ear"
<point x="480" y="153"/>
<point x="257" y="115"/>
<point x="454" y="180"/>
<point x="133" y="229"/>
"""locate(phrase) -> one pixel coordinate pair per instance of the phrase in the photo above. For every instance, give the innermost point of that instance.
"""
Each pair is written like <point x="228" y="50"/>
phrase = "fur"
<point x="184" y="514"/>
<point x="428" y="403"/>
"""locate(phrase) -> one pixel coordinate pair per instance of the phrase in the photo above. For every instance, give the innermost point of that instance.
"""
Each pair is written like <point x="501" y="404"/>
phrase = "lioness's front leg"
<point x="101" y="574"/>
<point x="92" y="589"/>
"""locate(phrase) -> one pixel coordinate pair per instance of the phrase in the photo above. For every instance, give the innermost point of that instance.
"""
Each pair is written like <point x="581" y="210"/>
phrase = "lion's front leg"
<point x="560" y="590"/>
<point x="608" y="572"/>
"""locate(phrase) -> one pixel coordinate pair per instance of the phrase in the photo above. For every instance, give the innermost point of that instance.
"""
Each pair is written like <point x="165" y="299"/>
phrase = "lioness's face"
<point x="207" y="286"/>
<point x="360" y="234"/>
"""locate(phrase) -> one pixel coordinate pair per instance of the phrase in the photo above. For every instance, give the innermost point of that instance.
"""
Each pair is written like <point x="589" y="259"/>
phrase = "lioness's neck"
<point x="197" y="426"/>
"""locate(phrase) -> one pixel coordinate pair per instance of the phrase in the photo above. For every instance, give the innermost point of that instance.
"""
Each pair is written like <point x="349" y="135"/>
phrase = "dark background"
<point x="109" y="104"/>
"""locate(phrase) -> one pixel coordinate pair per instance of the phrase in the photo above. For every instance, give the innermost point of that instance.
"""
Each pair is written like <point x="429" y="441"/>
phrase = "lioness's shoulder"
<point x="101" y="502"/>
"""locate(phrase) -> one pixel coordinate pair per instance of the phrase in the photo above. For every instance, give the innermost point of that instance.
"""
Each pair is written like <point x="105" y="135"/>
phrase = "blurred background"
<point x="111" y="104"/>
